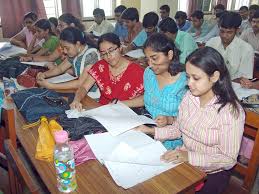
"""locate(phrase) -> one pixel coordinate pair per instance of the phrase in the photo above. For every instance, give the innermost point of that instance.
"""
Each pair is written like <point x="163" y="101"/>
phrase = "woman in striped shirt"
<point x="210" y="121"/>
<point x="164" y="82"/>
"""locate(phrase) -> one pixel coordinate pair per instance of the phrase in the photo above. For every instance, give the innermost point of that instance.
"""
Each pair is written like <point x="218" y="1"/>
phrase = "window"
<point x="204" y="5"/>
<point x="53" y="8"/>
<point x="240" y="3"/>
<point x="89" y="5"/>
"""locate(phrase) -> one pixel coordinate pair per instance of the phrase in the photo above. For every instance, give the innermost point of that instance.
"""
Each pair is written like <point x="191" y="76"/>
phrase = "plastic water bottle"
<point x="64" y="163"/>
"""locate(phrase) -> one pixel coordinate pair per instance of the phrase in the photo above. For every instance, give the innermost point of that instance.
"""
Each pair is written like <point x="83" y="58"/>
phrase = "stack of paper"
<point x="61" y="78"/>
<point x="131" y="157"/>
<point x="8" y="50"/>
<point x="243" y="92"/>
<point x="116" y="118"/>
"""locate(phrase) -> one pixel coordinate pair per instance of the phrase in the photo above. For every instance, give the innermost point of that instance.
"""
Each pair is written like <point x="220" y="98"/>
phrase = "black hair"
<point x="150" y="20"/>
<point x="109" y="37"/>
<point x="220" y="6"/>
<point x="180" y="14"/>
<point x="98" y="11"/>
<point x="30" y="15"/>
<point x="210" y="60"/>
<point x="243" y="8"/>
<point x="130" y="14"/>
<point x="165" y="7"/>
<point x="253" y="7"/>
<point x="69" y="19"/>
<point x="54" y="21"/>
<point x="120" y="9"/>
<point x="219" y="14"/>
<point x="256" y="14"/>
<point x="44" y="24"/>
<point x="230" y="20"/>
<point x="73" y="35"/>
<point x="158" y="42"/>
<point x="197" y="14"/>
<point x="168" y="25"/>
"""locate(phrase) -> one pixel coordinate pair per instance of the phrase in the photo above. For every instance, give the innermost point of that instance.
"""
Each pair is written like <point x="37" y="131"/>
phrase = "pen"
<point x="253" y="80"/>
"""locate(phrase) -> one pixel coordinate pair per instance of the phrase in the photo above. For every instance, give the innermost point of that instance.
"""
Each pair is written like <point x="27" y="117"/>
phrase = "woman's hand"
<point x="145" y="129"/>
<point x="246" y="83"/>
<point x="175" y="156"/>
<point x="76" y="105"/>
<point x="161" y="121"/>
<point x="44" y="83"/>
<point x="24" y="59"/>
<point x="51" y="65"/>
<point x="40" y="76"/>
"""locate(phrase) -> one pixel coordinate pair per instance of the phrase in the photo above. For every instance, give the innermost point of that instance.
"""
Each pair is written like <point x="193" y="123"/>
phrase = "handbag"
<point x="251" y="103"/>
<point x="36" y="102"/>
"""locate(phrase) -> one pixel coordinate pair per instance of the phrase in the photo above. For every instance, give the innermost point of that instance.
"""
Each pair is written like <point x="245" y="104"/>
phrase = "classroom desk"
<point x="92" y="177"/>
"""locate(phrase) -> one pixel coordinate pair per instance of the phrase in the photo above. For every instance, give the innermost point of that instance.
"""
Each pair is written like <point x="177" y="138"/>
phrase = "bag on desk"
<point x="251" y="102"/>
<point x="11" y="67"/>
<point x="36" y="102"/>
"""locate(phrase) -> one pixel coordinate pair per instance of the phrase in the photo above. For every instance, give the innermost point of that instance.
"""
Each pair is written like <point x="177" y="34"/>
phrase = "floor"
<point x="234" y="186"/>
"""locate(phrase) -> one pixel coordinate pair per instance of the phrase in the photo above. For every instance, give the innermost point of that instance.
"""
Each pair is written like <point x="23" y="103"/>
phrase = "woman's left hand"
<point x="175" y="156"/>
<point x="43" y="83"/>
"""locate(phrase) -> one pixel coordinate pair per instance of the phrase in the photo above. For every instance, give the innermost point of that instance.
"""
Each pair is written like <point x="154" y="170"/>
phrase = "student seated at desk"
<point x="130" y="18"/>
<point x="43" y="31"/>
<point x="210" y="121"/>
<point x="150" y="21"/>
<point x="24" y="37"/>
<point x="120" y="29"/>
<point x="54" y="25"/>
<point x="181" y="19"/>
<point x="238" y="54"/>
<point x="183" y="40"/>
<point x="80" y="58"/>
<point x="64" y="21"/>
<point x="116" y="77"/>
<point x="164" y="82"/>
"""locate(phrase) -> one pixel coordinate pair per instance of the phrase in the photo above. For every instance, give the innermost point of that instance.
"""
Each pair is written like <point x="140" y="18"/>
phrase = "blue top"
<point x="163" y="101"/>
<point x="121" y="31"/>
<point x="140" y="39"/>
<point x="186" y="26"/>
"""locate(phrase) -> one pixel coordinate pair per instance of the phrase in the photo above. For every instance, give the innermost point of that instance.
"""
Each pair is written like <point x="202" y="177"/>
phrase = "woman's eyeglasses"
<point x="108" y="52"/>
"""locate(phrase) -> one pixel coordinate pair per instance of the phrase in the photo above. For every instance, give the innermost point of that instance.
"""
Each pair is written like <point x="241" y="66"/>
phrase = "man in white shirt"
<point x="101" y="25"/>
<point x="238" y="55"/>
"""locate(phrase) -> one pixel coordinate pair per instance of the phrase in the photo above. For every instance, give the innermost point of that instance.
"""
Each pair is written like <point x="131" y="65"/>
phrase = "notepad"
<point x="61" y="78"/>
<point x="243" y="92"/>
<point x="116" y="118"/>
<point x="130" y="158"/>
<point x="34" y="63"/>
<point x="138" y="53"/>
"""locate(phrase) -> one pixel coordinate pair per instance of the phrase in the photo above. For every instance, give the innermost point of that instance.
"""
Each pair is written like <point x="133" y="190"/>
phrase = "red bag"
<point x="28" y="77"/>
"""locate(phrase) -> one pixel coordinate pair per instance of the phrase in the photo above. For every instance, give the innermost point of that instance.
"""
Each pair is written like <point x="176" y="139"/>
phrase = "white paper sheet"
<point x="138" y="53"/>
<point x="243" y="92"/>
<point x="130" y="158"/>
<point x="116" y="118"/>
<point x="61" y="78"/>
<point x="5" y="46"/>
<point x="34" y="63"/>
<point x="13" y="51"/>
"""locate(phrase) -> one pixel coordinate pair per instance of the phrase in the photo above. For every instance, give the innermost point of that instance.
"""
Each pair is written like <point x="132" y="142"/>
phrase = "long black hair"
<point x="210" y="60"/>
<point x="73" y="35"/>
<point x="44" y="24"/>
<point x="109" y="37"/>
<point x="69" y="19"/>
<point x="158" y="42"/>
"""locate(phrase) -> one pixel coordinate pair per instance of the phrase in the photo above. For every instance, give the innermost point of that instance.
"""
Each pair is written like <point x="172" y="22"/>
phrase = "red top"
<point x="127" y="85"/>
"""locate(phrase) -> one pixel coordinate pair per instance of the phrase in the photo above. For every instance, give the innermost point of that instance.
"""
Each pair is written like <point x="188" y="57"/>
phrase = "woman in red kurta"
<point x="116" y="77"/>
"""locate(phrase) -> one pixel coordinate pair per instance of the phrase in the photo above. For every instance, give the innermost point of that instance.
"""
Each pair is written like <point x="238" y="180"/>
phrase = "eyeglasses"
<point x="108" y="52"/>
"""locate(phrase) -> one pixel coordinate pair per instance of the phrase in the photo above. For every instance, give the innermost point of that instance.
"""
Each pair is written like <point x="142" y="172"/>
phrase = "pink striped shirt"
<point x="212" y="139"/>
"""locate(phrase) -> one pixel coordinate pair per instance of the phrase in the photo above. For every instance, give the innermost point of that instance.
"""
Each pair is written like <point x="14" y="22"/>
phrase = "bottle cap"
<point x="60" y="136"/>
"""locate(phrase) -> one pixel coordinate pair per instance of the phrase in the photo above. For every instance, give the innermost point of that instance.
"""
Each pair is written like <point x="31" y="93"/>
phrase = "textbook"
<point x="131" y="157"/>
<point x="116" y="118"/>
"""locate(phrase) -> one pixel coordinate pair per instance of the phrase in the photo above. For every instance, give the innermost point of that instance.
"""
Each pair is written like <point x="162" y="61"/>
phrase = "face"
<point x="150" y="30"/>
<point x="41" y="33"/>
<point x="69" y="49"/>
<point x="227" y="35"/>
<point x="110" y="52"/>
<point x="251" y="13"/>
<point x="180" y="21"/>
<point x="129" y="24"/>
<point x="28" y="22"/>
<point x="62" y="25"/>
<point x="244" y="14"/>
<point x="196" y="22"/>
<point x="163" y="14"/>
<point x="117" y="16"/>
<point x="255" y="25"/>
<point x="158" y="61"/>
<point x="98" y="18"/>
<point x="199" y="82"/>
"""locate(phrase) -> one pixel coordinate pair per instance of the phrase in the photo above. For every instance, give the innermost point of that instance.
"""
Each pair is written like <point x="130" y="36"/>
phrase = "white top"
<point x="238" y="56"/>
<point x="104" y="27"/>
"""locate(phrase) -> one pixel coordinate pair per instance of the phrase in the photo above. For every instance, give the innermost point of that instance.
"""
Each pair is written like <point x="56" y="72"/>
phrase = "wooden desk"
<point x="92" y="177"/>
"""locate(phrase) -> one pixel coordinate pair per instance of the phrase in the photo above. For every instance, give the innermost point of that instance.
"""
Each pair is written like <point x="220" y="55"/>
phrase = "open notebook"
<point x="34" y="63"/>
<point x="8" y="50"/>
<point x="61" y="78"/>
<point x="131" y="158"/>
<point x="138" y="53"/>
<point x="243" y="92"/>
<point x="116" y="118"/>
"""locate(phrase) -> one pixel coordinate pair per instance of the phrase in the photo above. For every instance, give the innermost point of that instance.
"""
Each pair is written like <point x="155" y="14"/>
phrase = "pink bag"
<point x="82" y="151"/>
